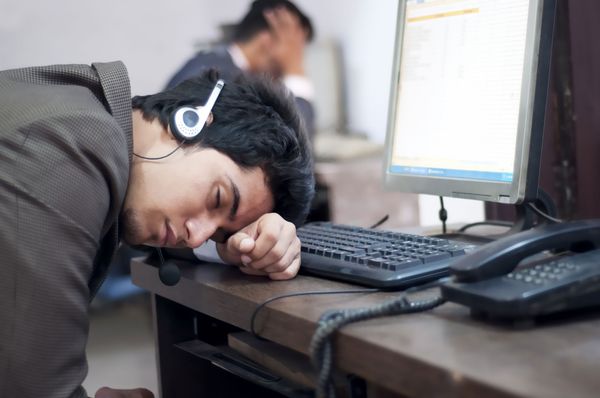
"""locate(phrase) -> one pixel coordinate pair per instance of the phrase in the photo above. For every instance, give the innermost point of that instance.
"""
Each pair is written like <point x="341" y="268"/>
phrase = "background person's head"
<point x="258" y="41"/>
<point x="256" y="127"/>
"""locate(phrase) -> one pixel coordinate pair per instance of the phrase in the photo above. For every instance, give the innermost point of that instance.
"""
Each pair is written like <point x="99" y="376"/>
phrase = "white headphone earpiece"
<point x="187" y="122"/>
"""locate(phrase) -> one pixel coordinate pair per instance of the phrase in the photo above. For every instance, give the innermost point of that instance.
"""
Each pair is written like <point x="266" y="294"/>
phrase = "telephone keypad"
<point x="544" y="273"/>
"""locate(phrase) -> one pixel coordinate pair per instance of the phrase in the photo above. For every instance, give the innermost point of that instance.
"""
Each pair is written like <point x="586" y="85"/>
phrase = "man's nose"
<point x="198" y="232"/>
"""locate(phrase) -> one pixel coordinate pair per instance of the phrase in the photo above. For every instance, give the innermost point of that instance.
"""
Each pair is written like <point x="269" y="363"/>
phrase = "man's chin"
<point x="128" y="236"/>
<point x="131" y="242"/>
<point x="133" y="239"/>
<point x="131" y="232"/>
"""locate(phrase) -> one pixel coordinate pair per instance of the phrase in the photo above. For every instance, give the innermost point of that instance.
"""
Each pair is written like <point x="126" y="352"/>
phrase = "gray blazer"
<point x="220" y="59"/>
<point x="65" y="152"/>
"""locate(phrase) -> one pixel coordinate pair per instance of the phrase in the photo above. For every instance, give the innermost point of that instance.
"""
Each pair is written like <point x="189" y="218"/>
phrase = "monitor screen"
<point x="468" y="98"/>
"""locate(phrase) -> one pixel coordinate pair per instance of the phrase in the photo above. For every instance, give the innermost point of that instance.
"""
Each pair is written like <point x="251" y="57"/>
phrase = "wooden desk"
<point x="443" y="353"/>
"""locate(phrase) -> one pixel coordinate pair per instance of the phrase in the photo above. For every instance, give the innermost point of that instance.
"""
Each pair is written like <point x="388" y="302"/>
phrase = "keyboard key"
<point x="409" y="262"/>
<point x="436" y="257"/>
<point x="337" y="254"/>
<point x="377" y="262"/>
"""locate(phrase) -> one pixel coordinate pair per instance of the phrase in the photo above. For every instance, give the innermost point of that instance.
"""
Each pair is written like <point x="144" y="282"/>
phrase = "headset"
<point x="186" y="122"/>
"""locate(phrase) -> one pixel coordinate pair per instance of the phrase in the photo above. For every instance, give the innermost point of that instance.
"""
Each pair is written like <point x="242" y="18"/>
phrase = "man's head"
<point x="253" y="158"/>
<point x="255" y="35"/>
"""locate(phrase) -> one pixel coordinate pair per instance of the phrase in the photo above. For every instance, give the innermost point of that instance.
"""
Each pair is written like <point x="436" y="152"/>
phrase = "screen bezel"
<point x="532" y="108"/>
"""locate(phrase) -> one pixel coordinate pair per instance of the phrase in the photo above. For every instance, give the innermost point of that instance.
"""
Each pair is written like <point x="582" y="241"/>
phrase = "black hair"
<point x="254" y="21"/>
<point x="256" y="124"/>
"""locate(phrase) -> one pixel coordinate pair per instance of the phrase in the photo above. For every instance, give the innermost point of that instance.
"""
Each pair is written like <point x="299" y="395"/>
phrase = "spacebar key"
<point x="436" y="257"/>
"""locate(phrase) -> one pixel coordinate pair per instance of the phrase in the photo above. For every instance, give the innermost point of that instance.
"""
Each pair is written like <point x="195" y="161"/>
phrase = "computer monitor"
<point x="468" y="98"/>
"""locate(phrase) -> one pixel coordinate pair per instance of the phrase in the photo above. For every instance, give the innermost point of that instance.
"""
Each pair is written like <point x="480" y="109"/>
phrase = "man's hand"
<point x="106" y="392"/>
<point x="268" y="246"/>
<point x="290" y="39"/>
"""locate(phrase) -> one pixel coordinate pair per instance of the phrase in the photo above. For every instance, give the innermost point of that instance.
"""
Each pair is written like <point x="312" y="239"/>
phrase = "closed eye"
<point x="218" y="202"/>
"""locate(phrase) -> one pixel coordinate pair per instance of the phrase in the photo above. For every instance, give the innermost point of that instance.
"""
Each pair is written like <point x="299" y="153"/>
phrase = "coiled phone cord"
<point x="321" y="349"/>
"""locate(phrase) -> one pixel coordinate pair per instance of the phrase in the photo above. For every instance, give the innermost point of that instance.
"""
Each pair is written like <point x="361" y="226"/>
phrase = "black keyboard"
<point x="376" y="258"/>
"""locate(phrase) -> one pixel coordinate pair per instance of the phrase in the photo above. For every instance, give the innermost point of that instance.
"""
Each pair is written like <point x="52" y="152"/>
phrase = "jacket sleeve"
<point x="53" y="203"/>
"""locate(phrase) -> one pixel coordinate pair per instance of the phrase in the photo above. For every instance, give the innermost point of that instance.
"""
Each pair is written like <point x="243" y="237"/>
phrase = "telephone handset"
<point x="489" y="281"/>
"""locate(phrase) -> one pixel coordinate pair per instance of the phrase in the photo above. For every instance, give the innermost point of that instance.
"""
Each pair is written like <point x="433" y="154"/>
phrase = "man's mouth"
<point x="170" y="239"/>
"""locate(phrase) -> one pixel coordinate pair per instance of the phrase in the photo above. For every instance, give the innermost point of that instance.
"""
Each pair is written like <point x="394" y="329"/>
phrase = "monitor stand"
<point x="525" y="219"/>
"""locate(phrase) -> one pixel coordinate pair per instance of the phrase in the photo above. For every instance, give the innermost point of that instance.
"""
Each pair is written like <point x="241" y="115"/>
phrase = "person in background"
<point x="270" y="39"/>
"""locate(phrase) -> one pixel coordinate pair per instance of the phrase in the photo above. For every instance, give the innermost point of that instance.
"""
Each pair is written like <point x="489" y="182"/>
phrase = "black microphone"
<point x="168" y="272"/>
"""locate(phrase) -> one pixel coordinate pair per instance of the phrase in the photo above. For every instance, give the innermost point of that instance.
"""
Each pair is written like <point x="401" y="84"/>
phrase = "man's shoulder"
<point x="65" y="110"/>
<point x="33" y="93"/>
<point x="217" y="58"/>
<point x="58" y="115"/>
<point x="215" y="54"/>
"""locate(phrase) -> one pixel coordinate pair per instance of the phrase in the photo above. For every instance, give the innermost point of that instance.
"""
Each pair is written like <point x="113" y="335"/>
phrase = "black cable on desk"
<point x="497" y="223"/>
<point x="378" y="223"/>
<point x="321" y="349"/>
<point x="316" y="292"/>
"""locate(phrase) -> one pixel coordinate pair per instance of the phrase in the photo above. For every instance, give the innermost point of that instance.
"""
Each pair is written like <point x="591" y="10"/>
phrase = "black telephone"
<point x="495" y="281"/>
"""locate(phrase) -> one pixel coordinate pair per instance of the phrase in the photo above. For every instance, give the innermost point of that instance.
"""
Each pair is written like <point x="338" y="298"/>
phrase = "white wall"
<point x="365" y="31"/>
<point x="154" y="39"/>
